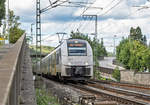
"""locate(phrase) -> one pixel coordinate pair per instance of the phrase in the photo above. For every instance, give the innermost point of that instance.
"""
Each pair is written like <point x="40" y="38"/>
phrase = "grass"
<point x="44" y="98"/>
<point x="45" y="49"/>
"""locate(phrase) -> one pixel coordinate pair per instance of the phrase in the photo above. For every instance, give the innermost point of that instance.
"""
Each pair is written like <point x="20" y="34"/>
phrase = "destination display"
<point x="76" y="44"/>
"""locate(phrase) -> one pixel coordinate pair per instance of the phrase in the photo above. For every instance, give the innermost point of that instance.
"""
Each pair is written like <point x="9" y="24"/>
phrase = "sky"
<point x="115" y="18"/>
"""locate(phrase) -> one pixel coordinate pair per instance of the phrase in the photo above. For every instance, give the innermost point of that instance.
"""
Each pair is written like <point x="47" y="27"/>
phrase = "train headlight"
<point x="69" y="63"/>
<point x="86" y="63"/>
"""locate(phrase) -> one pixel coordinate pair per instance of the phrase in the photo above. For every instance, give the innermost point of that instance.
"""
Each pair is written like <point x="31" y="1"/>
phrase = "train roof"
<point x="70" y="39"/>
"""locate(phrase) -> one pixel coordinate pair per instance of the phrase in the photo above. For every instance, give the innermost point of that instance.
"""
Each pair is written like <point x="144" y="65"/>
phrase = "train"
<point x="71" y="60"/>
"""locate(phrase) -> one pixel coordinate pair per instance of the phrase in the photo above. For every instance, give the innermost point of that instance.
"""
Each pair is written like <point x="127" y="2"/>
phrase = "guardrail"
<point x="10" y="74"/>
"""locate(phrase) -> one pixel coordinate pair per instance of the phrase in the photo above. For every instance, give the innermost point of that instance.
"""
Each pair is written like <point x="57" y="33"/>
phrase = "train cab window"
<point x="77" y="49"/>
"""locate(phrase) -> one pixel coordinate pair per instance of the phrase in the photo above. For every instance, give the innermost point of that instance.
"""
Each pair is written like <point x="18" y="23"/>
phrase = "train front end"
<point x="78" y="61"/>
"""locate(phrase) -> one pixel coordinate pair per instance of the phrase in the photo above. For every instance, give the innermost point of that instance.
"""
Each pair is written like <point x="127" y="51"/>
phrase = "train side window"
<point x="51" y="60"/>
<point x="53" y="63"/>
<point x="60" y="53"/>
<point x="57" y="58"/>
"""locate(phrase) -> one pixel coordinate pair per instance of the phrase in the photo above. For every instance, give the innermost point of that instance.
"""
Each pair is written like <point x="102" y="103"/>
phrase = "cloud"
<point x="117" y="21"/>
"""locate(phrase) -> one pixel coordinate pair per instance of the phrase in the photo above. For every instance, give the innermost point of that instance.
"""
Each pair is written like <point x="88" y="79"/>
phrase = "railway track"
<point x="128" y="86"/>
<point x="121" y="96"/>
<point x="97" y="92"/>
<point x="85" y="97"/>
<point x="138" y="86"/>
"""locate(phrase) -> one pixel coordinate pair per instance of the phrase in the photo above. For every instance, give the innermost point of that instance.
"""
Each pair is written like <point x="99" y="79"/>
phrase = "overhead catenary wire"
<point x="88" y="22"/>
<point x="126" y="16"/>
<point x="46" y="38"/>
<point x="79" y="5"/>
<point x="111" y="8"/>
<point x="88" y="8"/>
<point x="50" y="2"/>
<point x="107" y="5"/>
<point x="78" y="18"/>
<point x="85" y="25"/>
<point x="53" y="5"/>
<point x="84" y="10"/>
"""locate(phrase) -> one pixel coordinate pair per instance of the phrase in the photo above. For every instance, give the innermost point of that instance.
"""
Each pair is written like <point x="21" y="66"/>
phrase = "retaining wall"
<point x="139" y="78"/>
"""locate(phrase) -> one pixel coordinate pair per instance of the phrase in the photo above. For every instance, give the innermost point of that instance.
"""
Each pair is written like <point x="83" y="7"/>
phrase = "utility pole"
<point x="39" y="11"/>
<point x="96" y="26"/>
<point x="8" y="21"/>
<point x="60" y="39"/>
<point x="91" y="16"/>
<point x="38" y="30"/>
<point x="96" y="23"/>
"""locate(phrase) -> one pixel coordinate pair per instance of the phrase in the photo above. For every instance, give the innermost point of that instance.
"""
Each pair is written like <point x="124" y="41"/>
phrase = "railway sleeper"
<point x="87" y="99"/>
<point x="113" y="97"/>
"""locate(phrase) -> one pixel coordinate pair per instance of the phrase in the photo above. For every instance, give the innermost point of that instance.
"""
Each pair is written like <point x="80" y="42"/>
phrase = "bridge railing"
<point x="10" y="74"/>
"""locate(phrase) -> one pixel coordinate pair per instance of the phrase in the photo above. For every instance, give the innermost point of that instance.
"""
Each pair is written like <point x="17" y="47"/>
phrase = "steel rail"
<point x="111" y="95"/>
<point x="136" y="94"/>
<point x="132" y="85"/>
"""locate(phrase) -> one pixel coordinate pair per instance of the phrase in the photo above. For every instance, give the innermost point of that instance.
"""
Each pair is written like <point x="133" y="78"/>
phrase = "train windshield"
<point x="76" y="48"/>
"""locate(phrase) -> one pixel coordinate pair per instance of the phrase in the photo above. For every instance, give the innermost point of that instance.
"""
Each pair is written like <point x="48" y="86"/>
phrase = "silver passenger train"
<point x="72" y="60"/>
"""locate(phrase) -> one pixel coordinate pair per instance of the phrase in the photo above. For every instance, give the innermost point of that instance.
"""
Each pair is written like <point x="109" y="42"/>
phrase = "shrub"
<point x="116" y="74"/>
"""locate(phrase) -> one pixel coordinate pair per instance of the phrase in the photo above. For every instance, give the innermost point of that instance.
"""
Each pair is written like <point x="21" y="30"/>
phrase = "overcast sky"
<point x="116" y="18"/>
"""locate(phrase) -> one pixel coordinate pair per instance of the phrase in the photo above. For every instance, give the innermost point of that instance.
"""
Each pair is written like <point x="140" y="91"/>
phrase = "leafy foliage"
<point x="136" y="34"/>
<point x="116" y="74"/>
<point x="123" y="53"/>
<point x="43" y="98"/>
<point x="98" y="47"/>
<point x="14" y="32"/>
<point x="133" y="52"/>
<point x="97" y="74"/>
<point x="2" y="10"/>
<point x="45" y="49"/>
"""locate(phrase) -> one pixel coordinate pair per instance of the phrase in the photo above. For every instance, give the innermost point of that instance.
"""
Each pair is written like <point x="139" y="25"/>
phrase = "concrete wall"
<point x="139" y="78"/>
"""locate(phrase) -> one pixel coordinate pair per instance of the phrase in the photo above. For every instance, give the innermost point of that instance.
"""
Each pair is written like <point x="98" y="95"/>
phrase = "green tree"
<point x="14" y="32"/>
<point x="123" y="52"/>
<point x="136" y="34"/>
<point x="134" y="55"/>
<point x="133" y="52"/>
<point x="2" y="10"/>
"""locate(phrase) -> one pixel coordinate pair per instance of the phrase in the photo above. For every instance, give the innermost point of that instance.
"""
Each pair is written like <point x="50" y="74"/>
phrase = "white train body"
<point x="73" y="59"/>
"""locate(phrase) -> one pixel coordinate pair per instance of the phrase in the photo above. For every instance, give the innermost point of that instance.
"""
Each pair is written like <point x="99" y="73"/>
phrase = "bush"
<point x="97" y="74"/>
<point x="43" y="98"/>
<point x="116" y="74"/>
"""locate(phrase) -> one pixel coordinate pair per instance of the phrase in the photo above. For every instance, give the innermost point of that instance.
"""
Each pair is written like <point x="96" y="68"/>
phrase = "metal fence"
<point x="10" y="74"/>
